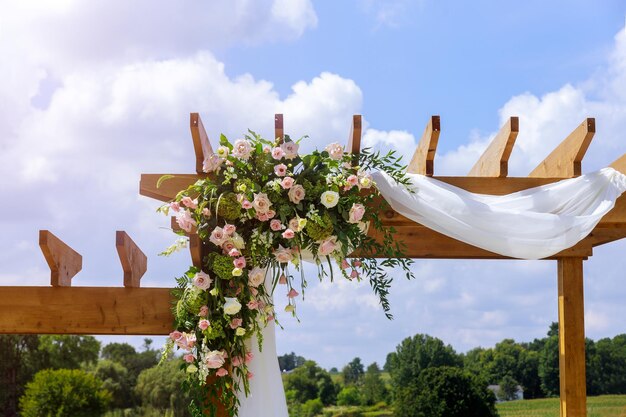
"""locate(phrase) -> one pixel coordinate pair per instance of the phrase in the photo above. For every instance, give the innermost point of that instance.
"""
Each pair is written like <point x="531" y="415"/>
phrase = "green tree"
<point x="607" y="364"/>
<point x="349" y="395"/>
<point x="549" y="366"/>
<point x="353" y="372"/>
<point x="508" y="389"/>
<point x="18" y="364"/>
<point x="290" y="361"/>
<point x="312" y="408"/>
<point x="116" y="380"/>
<point x="373" y="389"/>
<point x="159" y="388"/>
<point x="68" y="351"/>
<point x="64" y="392"/>
<point x="308" y="382"/>
<point x="134" y="362"/>
<point x="445" y="392"/>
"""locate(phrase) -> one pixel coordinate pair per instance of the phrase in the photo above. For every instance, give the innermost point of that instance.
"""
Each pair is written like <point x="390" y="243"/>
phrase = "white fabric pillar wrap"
<point x="530" y="224"/>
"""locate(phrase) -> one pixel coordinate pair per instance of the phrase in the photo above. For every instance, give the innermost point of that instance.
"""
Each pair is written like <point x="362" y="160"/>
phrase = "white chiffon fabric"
<point x="530" y="224"/>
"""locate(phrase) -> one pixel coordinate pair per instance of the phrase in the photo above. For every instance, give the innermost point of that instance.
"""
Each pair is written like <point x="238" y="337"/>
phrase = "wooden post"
<point x="572" y="338"/>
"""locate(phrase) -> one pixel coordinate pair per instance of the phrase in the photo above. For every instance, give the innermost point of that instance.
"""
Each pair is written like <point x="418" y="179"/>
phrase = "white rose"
<point x="256" y="276"/>
<point x="330" y="199"/>
<point x="222" y="152"/>
<point x="232" y="306"/>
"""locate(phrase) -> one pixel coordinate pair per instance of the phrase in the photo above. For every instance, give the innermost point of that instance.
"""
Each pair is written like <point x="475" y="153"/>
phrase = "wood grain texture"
<point x="201" y="144"/>
<point x="279" y="129"/>
<point x="134" y="261"/>
<point x="494" y="162"/>
<point x="572" y="338"/>
<point x="85" y="310"/>
<point x="354" y="139"/>
<point x="566" y="159"/>
<point x="620" y="164"/>
<point x="64" y="262"/>
<point x="423" y="161"/>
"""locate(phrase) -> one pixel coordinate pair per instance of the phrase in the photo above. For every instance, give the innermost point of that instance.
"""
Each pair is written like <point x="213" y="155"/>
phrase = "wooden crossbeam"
<point x="279" y="129"/>
<point x="134" y="261"/>
<point x="494" y="162"/>
<point x="424" y="156"/>
<point x="620" y="164"/>
<point x="201" y="144"/>
<point x="566" y="159"/>
<point x="64" y="262"/>
<point x="85" y="310"/>
<point x="354" y="139"/>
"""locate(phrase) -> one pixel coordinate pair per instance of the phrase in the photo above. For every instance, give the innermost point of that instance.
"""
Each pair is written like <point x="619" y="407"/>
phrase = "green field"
<point x="602" y="406"/>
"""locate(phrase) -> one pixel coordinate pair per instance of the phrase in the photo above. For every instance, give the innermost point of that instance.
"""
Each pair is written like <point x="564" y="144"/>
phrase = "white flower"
<point x="237" y="272"/>
<point x="290" y="149"/>
<point x="192" y="369"/>
<point x="231" y="306"/>
<point x="242" y="149"/>
<point x="238" y="241"/>
<point x="222" y="152"/>
<point x="240" y="331"/>
<point x="256" y="276"/>
<point x="335" y="151"/>
<point x="330" y="199"/>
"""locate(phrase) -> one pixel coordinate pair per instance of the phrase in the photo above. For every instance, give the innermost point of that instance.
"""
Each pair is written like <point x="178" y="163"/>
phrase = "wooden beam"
<point x="494" y="162"/>
<point x="572" y="338"/>
<point x="566" y="159"/>
<point x="424" y="156"/>
<point x="354" y="140"/>
<point x="85" y="310"/>
<point x="620" y="164"/>
<point x="134" y="261"/>
<point x="64" y="262"/>
<point x="201" y="144"/>
<point x="196" y="247"/>
<point x="279" y="130"/>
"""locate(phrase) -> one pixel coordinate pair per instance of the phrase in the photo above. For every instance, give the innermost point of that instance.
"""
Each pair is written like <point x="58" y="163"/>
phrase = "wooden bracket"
<point x="620" y="164"/>
<point x="134" y="261"/>
<point x="566" y="159"/>
<point x="494" y="162"/>
<point x="196" y="247"/>
<point x="279" y="130"/>
<point x="354" y="140"/>
<point x="424" y="156"/>
<point x="64" y="262"/>
<point x="201" y="144"/>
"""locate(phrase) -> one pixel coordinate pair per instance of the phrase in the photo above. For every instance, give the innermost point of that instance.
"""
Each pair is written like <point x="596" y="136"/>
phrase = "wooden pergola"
<point x="132" y="310"/>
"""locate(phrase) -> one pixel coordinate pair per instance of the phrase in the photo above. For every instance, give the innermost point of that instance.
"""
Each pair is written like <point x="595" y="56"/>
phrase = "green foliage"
<point x="445" y="392"/>
<point x="312" y="408"/>
<point x="549" y="366"/>
<point x="68" y="351"/>
<point x="290" y="361"/>
<point x="223" y="266"/>
<point x="308" y="382"/>
<point x="353" y="372"/>
<point x="19" y="361"/>
<point x="373" y="389"/>
<point x="117" y="380"/>
<point x="228" y="207"/>
<point x="349" y="396"/>
<point x="508" y="389"/>
<point x="159" y="388"/>
<point x="64" y="392"/>
<point x="607" y="365"/>
<point x="321" y="227"/>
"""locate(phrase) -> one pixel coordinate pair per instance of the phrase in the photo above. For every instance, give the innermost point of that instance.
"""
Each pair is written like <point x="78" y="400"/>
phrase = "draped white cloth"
<point x="530" y="224"/>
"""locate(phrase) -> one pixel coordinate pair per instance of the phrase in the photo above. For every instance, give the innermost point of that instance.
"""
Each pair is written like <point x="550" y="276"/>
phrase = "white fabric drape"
<point x="529" y="224"/>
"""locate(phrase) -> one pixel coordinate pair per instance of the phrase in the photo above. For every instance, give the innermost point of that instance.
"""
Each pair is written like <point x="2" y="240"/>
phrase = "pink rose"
<point x="237" y="361"/>
<point x="188" y="202"/>
<point x="249" y="357"/>
<point x="202" y="280"/>
<point x="253" y="304"/>
<point x="175" y="206"/>
<point x="292" y="293"/>
<point x="245" y="204"/>
<point x="176" y="335"/>
<point x="189" y="358"/>
<point x="271" y="214"/>
<point x="335" y="151"/>
<point x="185" y="221"/>
<point x="287" y="183"/>
<point x="278" y="153"/>
<point x="239" y="262"/>
<point x="203" y="324"/>
<point x="276" y="225"/>
<point x="291" y="149"/>
<point x="218" y="237"/>
<point x="228" y="246"/>
<point x="328" y="246"/>
<point x="229" y="229"/>
<point x="288" y="234"/>
<point x="356" y="213"/>
<point x="234" y="252"/>
<point x="214" y="359"/>
<point x="261" y="203"/>
<point x="236" y="322"/>
<point x="294" y="224"/>
<point x="353" y="180"/>
<point x="296" y="193"/>
<point x="262" y="217"/>
<point x="212" y="163"/>
<point x="204" y="311"/>
<point x="282" y="279"/>
<point x="256" y="276"/>
<point x="280" y="170"/>
<point x="283" y="255"/>
<point x="242" y="149"/>
<point x="221" y="372"/>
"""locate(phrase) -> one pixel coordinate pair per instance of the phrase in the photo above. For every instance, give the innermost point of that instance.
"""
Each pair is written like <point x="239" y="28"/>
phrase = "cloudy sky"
<point x="95" y="93"/>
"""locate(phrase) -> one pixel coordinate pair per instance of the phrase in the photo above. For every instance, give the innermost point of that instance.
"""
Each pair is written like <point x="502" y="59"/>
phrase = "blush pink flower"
<point x="212" y="163"/>
<point x="189" y="358"/>
<point x="276" y="225"/>
<point x="282" y="280"/>
<point x="185" y="221"/>
<point x="256" y="276"/>
<point x="254" y="291"/>
<point x="218" y="237"/>
<point x="206" y="212"/>
<point x="237" y="361"/>
<point x="239" y="262"/>
<point x="214" y="359"/>
<point x="175" y="335"/>
<point x="287" y="183"/>
<point x="221" y="372"/>
<point x="263" y="217"/>
<point x="249" y="357"/>
<point x="229" y="229"/>
<point x="335" y="151"/>
<point x="328" y="246"/>
<point x="245" y="204"/>
<point x="289" y="234"/>
<point x="249" y="375"/>
<point x="204" y="311"/>
<point x="283" y="255"/>
<point x="353" y="180"/>
<point x="354" y="274"/>
<point x="356" y="213"/>
<point x="292" y="293"/>
<point x="261" y="203"/>
<point x="296" y="193"/>
<point x="175" y="206"/>
<point x="203" y="324"/>
<point x="188" y="202"/>
<point x="253" y="304"/>
<point x="280" y="170"/>
<point x="202" y="280"/>
<point x="234" y="252"/>
<point x="242" y="149"/>
<point x="278" y="153"/>
<point x="228" y="246"/>
<point x="236" y="322"/>
<point x="291" y="149"/>
<point x="344" y="264"/>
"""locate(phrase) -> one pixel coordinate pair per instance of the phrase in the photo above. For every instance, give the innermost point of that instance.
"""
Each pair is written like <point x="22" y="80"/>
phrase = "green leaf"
<point x="163" y="179"/>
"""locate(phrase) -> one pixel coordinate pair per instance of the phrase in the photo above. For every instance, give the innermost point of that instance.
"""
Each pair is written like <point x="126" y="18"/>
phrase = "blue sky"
<point x="95" y="94"/>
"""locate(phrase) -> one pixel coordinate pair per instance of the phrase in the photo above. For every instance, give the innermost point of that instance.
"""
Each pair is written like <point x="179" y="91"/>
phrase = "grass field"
<point x="602" y="406"/>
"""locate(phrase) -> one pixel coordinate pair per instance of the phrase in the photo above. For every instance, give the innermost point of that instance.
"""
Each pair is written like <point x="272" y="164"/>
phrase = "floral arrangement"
<point x="263" y="210"/>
